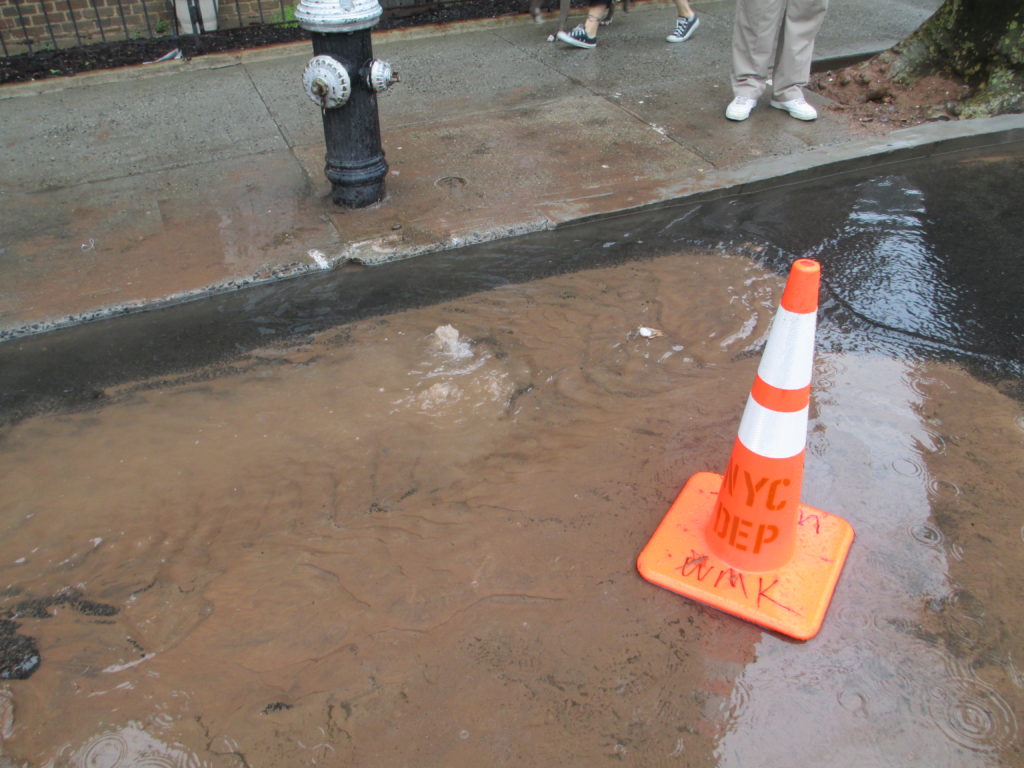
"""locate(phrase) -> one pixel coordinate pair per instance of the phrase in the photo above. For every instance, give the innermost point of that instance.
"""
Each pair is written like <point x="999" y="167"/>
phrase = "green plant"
<point x="162" y="27"/>
<point x="286" y="17"/>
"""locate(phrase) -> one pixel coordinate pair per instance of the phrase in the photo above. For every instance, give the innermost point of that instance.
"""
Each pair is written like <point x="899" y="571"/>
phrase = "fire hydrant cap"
<point x="337" y="15"/>
<point x="327" y="82"/>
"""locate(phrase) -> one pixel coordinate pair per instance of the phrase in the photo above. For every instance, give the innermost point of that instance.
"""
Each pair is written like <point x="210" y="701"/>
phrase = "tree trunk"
<point x="980" y="42"/>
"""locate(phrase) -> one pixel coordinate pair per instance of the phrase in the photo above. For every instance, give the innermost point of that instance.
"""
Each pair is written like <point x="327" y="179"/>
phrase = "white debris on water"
<point x="122" y="667"/>
<point x="647" y="333"/>
<point x="318" y="258"/>
<point x="439" y="394"/>
<point x="447" y="339"/>
<point x="460" y="379"/>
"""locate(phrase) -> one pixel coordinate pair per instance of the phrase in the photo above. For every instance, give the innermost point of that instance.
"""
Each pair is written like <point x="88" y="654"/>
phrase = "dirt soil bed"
<point x="866" y="94"/>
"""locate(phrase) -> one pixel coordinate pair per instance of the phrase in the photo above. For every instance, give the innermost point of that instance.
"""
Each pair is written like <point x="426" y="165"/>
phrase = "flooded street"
<point x="410" y="538"/>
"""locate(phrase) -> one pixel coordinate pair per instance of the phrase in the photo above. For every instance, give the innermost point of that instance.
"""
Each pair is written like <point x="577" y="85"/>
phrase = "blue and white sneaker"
<point x="684" y="29"/>
<point x="577" y="37"/>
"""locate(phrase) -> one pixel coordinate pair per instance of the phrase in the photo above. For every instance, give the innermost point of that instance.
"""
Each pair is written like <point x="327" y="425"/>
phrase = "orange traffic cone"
<point x="744" y="543"/>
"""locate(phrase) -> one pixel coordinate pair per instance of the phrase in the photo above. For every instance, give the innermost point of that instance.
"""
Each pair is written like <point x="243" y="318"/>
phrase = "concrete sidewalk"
<point x="135" y="188"/>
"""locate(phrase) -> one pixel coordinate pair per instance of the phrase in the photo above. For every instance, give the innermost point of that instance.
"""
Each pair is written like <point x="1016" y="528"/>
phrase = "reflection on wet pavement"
<point x="899" y="683"/>
<point x="410" y="539"/>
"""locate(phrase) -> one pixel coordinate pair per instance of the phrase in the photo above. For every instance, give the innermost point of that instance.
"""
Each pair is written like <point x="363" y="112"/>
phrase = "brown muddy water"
<point x="411" y="539"/>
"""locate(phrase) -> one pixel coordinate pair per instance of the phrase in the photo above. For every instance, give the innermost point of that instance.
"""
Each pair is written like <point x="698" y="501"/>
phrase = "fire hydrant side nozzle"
<point x="327" y="82"/>
<point x="379" y="75"/>
<point x="343" y="79"/>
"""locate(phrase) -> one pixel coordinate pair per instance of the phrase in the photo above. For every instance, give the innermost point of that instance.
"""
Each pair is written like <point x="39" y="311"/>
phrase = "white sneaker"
<point x="739" y="108"/>
<point x="797" y="108"/>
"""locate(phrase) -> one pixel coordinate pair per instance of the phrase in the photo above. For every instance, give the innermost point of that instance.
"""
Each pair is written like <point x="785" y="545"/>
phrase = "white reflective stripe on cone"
<point x="788" y="358"/>
<point x="773" y="434"/>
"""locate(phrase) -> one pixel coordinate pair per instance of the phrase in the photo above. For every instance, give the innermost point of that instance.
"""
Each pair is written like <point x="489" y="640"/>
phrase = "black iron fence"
<point x="57" y="29"/>
<point x="28" y="26"/>
<point x="32" y="25"/>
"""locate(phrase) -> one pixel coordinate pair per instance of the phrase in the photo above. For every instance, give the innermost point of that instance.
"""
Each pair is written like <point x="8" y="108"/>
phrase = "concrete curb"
<point x="901" y="145"/>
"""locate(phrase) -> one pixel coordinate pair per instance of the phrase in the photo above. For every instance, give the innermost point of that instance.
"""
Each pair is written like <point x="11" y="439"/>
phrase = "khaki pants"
<point x="778" y="34"/>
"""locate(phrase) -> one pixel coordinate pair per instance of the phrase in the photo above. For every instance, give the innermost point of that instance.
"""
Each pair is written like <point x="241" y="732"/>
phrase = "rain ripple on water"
<point x="129" y="747"/>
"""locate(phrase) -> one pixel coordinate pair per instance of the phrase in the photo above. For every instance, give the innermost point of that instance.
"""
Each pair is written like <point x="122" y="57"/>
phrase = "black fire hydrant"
<point x="343" y="79"/>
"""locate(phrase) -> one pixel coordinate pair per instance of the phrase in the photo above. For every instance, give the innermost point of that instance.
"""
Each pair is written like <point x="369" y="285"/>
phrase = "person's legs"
<point x="686" y="23"/>
<point x="803" y="19"/>
<point x="585" y="35"/>
<point x="753" y="39"/>
<point x="683" y="9"/>
<point x="595" y="14"/>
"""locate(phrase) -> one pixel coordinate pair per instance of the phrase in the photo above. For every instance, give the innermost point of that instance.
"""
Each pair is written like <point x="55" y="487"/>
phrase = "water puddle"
<point x="410" y="538"/>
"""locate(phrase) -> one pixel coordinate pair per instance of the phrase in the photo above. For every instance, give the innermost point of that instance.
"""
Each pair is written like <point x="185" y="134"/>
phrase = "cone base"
<point x="792" y="599"/>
